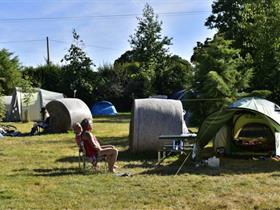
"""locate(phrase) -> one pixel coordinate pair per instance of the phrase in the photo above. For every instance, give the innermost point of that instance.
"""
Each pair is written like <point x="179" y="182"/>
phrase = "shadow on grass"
<point x="68" y="159"/>
<point x="137" y="160"/>
<point x="116" y="141"/>
<point x="59" y="172"/>
<point x="228" y="166"/>
<point x="124" y="155"/>
<point x="120" y="118"/>
<point x="112" y="121"/>
<point x="3" y="195"/>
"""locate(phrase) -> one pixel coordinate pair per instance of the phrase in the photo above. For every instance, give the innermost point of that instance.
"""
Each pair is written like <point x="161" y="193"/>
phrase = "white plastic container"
<point x="213" y="162"/>
<point x="277" y="143"/>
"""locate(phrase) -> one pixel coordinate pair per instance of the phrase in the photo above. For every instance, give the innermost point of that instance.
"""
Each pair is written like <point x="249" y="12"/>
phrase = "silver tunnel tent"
<point x="151" y="118"/>
<point x="65" y="112"/>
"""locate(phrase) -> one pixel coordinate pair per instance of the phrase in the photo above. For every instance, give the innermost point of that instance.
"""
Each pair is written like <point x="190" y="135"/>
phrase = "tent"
<point x="187" y="97"/>
<point x="151" y="118"/>
<point x="103" y="108"/>
<point x="177" y="95"/>
<point x="20" y="111"/>
<point x="246" y="127"/>
<point x="65" y="112"/>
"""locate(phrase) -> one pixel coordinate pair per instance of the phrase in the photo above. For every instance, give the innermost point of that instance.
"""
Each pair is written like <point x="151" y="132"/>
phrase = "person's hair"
<point x="76" y="126"/>
<point x="85" y="123"/>
<point x="86" y="135"/>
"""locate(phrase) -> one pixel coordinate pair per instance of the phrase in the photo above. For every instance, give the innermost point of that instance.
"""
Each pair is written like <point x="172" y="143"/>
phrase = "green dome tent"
<point x="247" y="126"/>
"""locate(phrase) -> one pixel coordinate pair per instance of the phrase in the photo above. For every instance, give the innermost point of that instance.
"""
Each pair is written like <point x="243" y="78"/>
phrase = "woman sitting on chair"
<point x="94" y="149"/>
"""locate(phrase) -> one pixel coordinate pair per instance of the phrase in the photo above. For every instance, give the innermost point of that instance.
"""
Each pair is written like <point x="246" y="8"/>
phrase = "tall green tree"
<point x="2" y="106"/>
<point x="10" y="74"/>
<point x="177" y="75"/>
<point x="77" y="75"/>
<point x="11" y="77"/>
<point x="45" y="76"/>
<point x="150" y="49"/>
<point x="261" y="26"/>
<point x="254" y="25"/>
<point x="147" y="42"/>
<point x="221" y="74"/>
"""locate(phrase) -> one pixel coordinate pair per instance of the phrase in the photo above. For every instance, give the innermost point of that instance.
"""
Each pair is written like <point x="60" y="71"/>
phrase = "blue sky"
<point x="103" y="25"/>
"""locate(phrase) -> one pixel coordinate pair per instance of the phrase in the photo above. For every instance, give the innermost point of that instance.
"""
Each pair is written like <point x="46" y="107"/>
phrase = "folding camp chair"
<point x="83" y="160"/>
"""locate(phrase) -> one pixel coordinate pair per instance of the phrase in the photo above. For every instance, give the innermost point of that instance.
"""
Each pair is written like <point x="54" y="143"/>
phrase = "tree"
<point x="220" y="73"/>
<point x="126" y="57"/>
<point x="10" y="77"/>
<point x="254" y="27"/>
<point x="177" y="75"/>
<point x="150" y="49"/>
<point x="46" y="76"/>
<point x="2" y="106"/>
<point x="226" y="16"/>
<point x="77" y="74"/>
<point x="26" y="87"/>
<point x="9" y="71"/>
<point x="261" y="27"/>
<point x="147" y="43"/>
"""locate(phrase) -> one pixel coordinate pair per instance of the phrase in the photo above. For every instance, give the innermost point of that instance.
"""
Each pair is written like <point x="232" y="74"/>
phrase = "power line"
<point x="97" y="16"/>
<point x="53" y="40"/>
<point x="22" y="41"/>
<point x="86" y="45"/>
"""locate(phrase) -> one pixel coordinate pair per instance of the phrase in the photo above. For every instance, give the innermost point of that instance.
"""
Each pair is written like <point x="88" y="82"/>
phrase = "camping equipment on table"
<point x="182" y="144"/>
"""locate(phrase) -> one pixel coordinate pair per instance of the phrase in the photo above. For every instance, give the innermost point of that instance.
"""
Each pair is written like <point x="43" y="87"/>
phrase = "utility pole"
<point x="48" y="52"/>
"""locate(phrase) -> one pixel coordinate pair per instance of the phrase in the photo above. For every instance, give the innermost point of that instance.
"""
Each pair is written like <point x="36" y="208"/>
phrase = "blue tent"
<point x="103" y="108"/>
<point x="177" y="95"/>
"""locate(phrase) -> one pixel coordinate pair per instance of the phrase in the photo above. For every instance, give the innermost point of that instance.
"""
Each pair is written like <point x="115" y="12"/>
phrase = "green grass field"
<point x="41" y="172"/>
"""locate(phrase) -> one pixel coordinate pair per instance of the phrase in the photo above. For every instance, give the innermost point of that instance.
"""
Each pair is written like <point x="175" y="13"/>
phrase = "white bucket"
<point x="213" y="162"/>
<point x="277" y="143"/>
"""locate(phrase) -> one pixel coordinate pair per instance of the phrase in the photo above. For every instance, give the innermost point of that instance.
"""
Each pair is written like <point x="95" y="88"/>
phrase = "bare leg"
<point x="107" y="146"/>
<point x="111" y="155"/>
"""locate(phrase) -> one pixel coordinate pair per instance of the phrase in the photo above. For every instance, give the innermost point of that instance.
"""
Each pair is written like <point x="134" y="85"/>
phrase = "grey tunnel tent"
<point x="151" y="118"/>
<point x="246" y="127"/>
<point x="65" y="112"/>
<point x="39" y="98"/>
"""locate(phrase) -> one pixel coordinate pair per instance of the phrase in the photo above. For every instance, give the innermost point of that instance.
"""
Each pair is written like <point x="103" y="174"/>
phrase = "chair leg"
<point x="79" y="160"/>
<point x="84" y="162"/>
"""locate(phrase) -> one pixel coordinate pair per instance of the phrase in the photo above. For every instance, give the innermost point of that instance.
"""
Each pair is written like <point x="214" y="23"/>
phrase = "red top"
<point x="90" y="150"/>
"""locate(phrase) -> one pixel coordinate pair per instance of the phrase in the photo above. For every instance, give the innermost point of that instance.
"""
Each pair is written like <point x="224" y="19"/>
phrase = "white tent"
<point x="20" y="111"/>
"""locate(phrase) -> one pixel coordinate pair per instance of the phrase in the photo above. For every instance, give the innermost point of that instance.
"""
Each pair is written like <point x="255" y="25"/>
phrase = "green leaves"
<point x="254" y="27"/>
<point x="9" y="71"/>
<point x="76" y="73"/>
<point x="221" y="73"/>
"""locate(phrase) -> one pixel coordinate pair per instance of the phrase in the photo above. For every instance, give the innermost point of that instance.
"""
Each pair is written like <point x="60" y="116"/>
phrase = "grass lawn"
<point x="41" y="172"/>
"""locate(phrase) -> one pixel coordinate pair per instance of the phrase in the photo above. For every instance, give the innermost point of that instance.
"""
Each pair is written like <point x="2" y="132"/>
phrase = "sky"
<point x="104" y="25"/>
